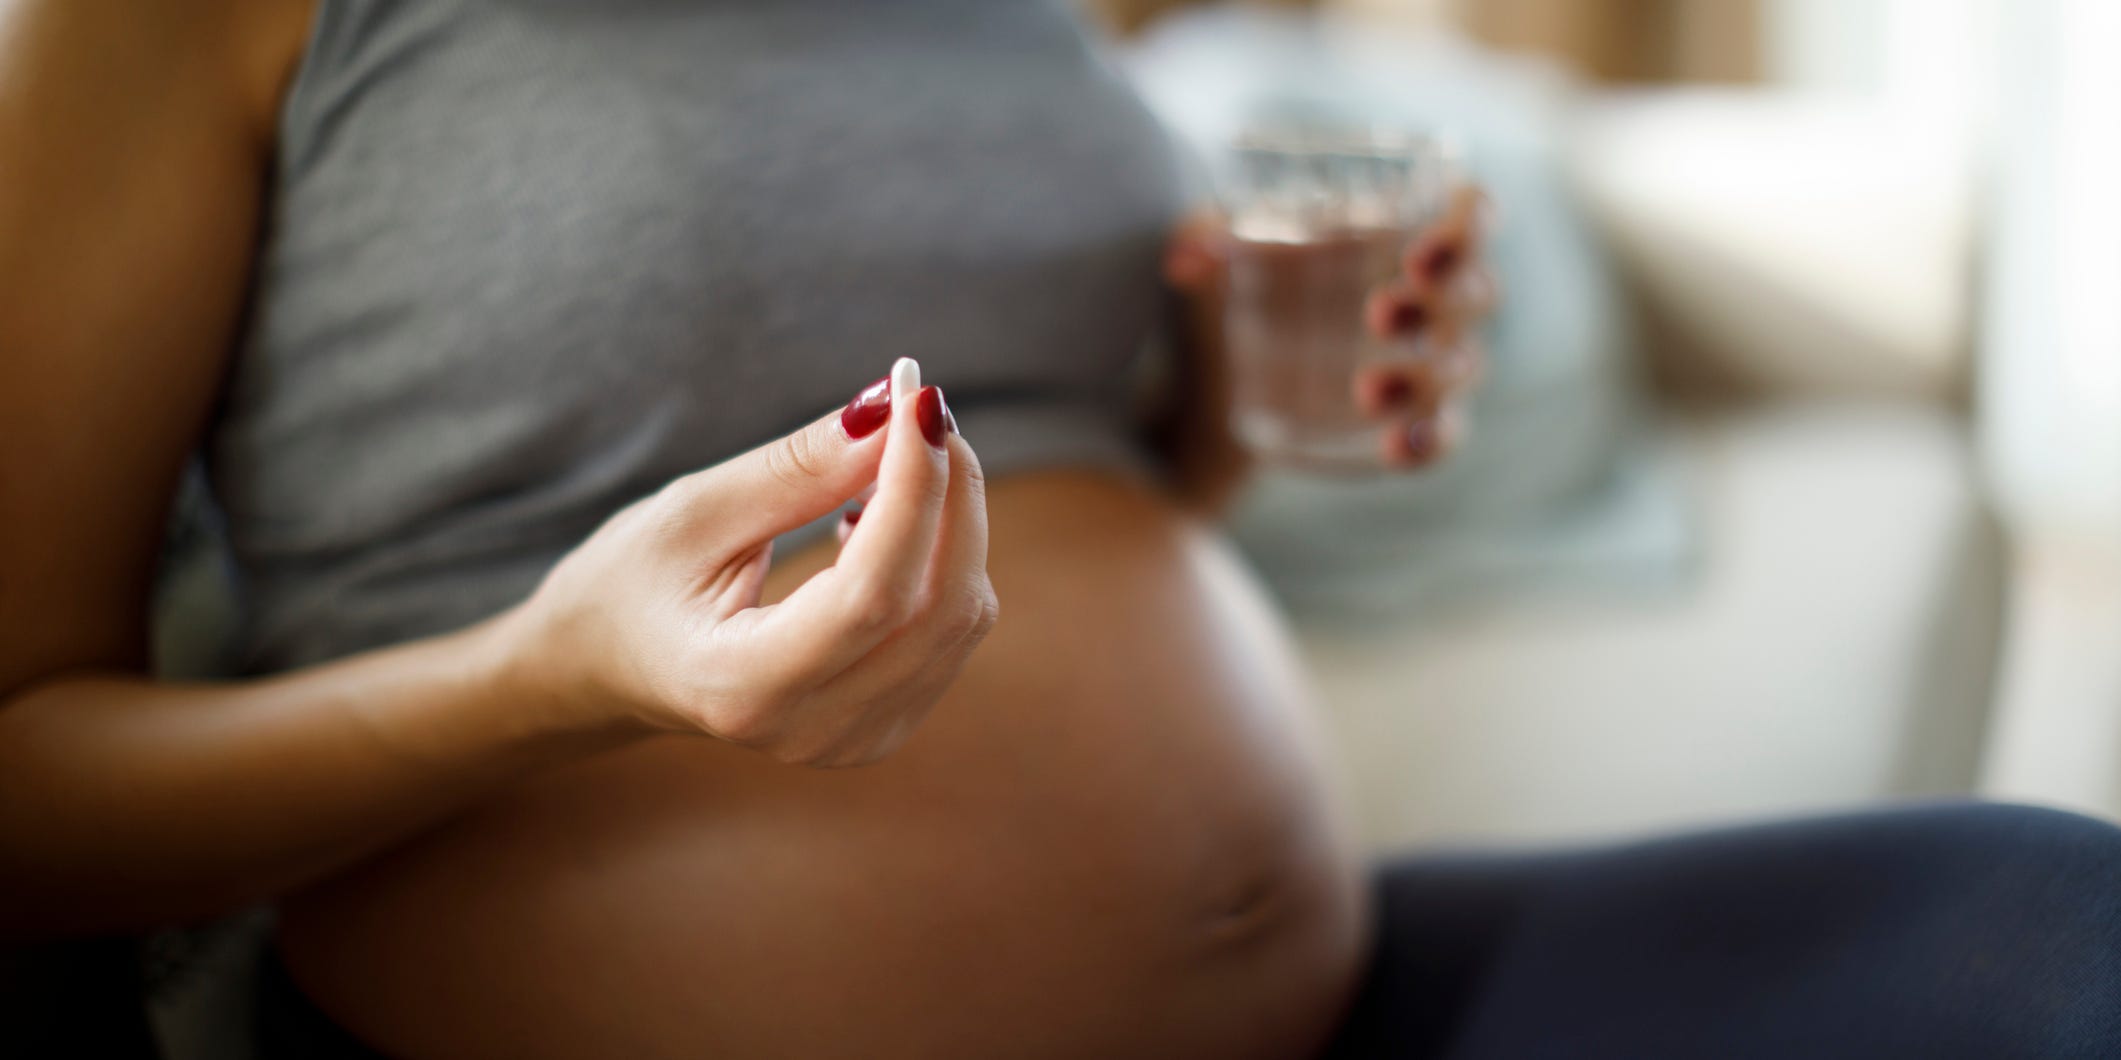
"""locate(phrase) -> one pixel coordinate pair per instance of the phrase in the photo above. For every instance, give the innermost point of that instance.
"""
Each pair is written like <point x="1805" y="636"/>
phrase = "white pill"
<point x="905" y="378"/>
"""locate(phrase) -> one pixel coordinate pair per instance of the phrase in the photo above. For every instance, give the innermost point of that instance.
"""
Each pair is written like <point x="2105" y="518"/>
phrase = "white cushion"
<point x="1835" y="645"/>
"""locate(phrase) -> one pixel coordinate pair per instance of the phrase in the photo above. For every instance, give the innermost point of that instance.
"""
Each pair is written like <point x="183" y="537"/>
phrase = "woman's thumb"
<point x="1195" y="257"/>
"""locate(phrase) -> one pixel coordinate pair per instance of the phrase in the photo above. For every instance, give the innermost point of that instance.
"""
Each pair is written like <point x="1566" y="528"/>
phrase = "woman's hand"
<point x="1435" y="304"/>
<point x="655" y="620"/>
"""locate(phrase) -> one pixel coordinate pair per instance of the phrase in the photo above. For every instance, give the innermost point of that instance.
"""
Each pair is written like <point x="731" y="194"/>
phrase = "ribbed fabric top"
<point x="526" y="260"/>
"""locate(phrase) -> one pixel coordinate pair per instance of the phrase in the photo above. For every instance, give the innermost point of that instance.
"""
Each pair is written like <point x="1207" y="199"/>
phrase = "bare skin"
<point x="125" y="801"/>
<point x="1111" y="838"/>
<point x="539" y="836"/>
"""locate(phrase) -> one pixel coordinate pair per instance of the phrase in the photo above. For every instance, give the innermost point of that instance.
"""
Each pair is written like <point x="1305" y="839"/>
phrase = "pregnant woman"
<point x="516" y="337"/>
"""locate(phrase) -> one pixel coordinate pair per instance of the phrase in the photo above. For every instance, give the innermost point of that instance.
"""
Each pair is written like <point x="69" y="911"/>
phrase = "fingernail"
<point x="1414" y="445"/>
<point x="1408" y="317"/>
<point x="1385" y="389"/>
<point x="1422" y="437"/>
<point x="1438" y="261"/>
<point x="851" y="516"/>
<point x="934" y="415"/>
<point x="870" y="409"/>
<point x="1393" y="311"/>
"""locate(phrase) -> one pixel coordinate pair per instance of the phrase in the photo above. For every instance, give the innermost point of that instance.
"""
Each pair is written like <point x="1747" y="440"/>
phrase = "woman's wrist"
<point x="531" y="703"/>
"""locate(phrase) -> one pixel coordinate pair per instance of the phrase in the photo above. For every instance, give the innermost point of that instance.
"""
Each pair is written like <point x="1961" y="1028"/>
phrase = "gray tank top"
<point x="526" y="260"/>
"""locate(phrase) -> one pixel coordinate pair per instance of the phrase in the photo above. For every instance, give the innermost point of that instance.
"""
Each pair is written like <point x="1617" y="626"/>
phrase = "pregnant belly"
<point x="1112" y="838"/>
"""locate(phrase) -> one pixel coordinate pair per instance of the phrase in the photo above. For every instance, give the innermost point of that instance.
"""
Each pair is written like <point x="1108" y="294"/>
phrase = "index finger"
<point x="1449" y="241"/>
<point x="831" y="621"/>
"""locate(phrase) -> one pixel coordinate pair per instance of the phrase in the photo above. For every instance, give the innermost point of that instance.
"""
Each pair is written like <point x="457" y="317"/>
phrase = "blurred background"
<point x="1797" y="482"/>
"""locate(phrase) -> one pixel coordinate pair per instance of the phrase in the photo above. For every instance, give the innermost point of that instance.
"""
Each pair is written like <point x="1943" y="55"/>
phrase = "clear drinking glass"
<point x="1318" y="217"/>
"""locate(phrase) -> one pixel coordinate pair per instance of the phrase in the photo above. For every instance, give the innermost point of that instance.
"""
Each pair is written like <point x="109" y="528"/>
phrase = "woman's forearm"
<point x="126" y="802"/>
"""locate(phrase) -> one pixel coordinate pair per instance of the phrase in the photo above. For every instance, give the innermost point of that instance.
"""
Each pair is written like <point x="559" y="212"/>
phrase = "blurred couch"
<point x="1836" y="642"/>
<point x="1759" y="577"/>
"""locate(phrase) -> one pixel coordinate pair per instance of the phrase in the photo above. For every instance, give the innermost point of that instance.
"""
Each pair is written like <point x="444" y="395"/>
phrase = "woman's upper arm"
<point x="134" y="139"/>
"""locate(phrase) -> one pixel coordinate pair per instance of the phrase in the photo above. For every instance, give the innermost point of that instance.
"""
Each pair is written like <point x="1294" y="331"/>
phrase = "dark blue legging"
<point x="1935" y="932"/>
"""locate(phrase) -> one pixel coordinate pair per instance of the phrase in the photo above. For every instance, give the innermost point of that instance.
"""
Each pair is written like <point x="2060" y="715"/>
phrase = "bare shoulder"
<point x="133" y="137"/>
<point x="235" y="55"/>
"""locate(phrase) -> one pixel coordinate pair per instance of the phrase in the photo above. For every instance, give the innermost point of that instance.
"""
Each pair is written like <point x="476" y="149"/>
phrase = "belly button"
<point x="1247" y="912"/>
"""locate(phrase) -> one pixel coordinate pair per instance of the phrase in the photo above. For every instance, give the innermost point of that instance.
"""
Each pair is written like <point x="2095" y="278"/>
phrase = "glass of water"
<point x="1318" y="217"/>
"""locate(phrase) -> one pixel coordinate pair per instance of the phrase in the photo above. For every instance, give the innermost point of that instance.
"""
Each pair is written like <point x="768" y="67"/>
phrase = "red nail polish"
<point x="934" y="416"/>
<point x="1421" y="439"/>
<point x="1414" y="445"/>
<point x="1394" y="311"/>
<point x="870" y="409"/>
<point x="1382" y="390"/>
<point x="852" y="516"/>
<point x="1439" y="261"/>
